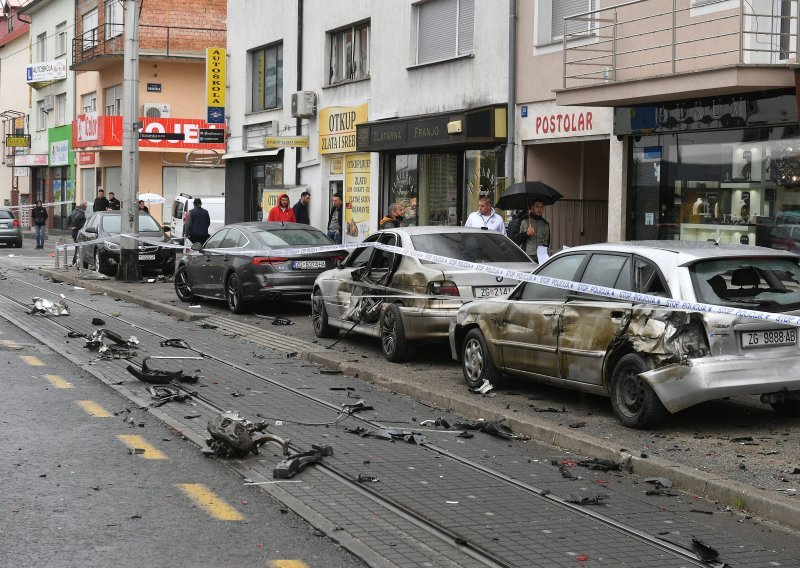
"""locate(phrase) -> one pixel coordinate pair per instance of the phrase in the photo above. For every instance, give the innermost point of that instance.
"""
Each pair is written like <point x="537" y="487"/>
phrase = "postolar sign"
<point x="91" y="131"/>
<point x="548" y="120"/>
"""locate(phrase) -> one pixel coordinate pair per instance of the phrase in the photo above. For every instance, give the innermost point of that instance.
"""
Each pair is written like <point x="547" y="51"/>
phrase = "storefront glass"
<point x="263" y="177"/>
<point x="733" y="186"/>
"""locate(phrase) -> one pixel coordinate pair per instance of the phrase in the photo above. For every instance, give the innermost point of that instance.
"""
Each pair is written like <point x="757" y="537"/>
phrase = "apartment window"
<point x="349" y="55"/>
<point x="113" y="19"/>
<point x="61" y="109"/>
<point x="61" y="38"/>
<point x="267" y="77"/>
<point x="113" y="100"/>
<point x="445" y="29"/>
<point x="89" y="29"/>
<point x="41" y="47"/>
<point x="550" y="16"/>
<point x="41" y="115"/>
<point x="89" y="102"/>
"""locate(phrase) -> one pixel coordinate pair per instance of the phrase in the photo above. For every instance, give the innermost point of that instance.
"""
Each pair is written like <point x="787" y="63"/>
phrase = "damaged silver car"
<point x="650" y="360"/>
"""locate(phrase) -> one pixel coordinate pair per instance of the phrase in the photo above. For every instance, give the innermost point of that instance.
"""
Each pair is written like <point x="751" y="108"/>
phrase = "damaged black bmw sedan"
<point x="650" y="360"/>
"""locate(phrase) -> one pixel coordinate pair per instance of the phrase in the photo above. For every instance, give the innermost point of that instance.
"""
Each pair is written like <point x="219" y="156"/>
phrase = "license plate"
<point x="3" y="225"/>
<point x="307" y="264"/>
<point x="768" y="338"/>
<point x="491" y="291"/>
<point x="147" y="257"/>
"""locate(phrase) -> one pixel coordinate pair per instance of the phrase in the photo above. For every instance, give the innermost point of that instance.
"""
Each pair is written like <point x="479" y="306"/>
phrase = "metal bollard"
<point x="66" y="260"/>
<point x="58" y="241"/>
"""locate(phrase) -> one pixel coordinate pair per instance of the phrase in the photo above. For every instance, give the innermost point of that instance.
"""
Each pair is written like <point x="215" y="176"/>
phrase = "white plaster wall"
<point x="13" y="96"/>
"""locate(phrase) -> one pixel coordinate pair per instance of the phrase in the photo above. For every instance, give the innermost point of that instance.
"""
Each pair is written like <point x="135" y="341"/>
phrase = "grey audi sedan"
<point x="10" y="230"/>
<point x="650" y="360"/>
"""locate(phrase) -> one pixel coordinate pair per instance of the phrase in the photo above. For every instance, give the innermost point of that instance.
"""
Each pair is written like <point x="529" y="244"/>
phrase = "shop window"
<point x="349" y="54"/>
<point x="445" y="30"/>
<point x="426" y="186"/>
<point x="267" y="77"/>
<point x="113" y="19"/>
<point x="483" y="176"/>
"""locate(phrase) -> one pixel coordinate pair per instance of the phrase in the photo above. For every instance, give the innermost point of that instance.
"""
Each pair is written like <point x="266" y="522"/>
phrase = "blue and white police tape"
<point x="33" y="205"/>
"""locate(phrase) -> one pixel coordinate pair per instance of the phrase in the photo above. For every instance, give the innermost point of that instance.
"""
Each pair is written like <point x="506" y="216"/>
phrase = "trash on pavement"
<point x="95" y="341"/>
<point x="235" y="437"/>
<point x="438" y="422"/>
<point x="116" y="352"/>
<point x="662" y="481"/>
<point x="587" y="497"/>
<point x="293" y="465"/>
<point x="495" y="428"/>
<point x="282" y="321"/>
<point x="546" y="409"/>
<point x="98" y="321"/>
<point x="600" y="465"/>
<point x="208" y="326"/>
<point x="704" y="552"/>
<point x="165" y="394"/>
<point x="356" y="407"/>
<point x="75" y="334"/>
<point x="160" y="377"/>
<point x="45" y="307"/>
<point x="364" y="478"/>
<point x="180" y="343"/>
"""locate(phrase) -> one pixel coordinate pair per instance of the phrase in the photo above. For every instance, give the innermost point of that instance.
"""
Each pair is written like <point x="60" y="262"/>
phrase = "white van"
<point x="215" y="206"/>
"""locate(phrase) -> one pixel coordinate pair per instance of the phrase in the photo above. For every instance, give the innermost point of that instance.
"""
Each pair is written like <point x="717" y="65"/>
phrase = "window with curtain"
<point x="564" y="8"/>
<point x="445" y="29"/>
<point x="267" y="77"/>
<point x="349" y="54"/>
<point x="112" y="98"/>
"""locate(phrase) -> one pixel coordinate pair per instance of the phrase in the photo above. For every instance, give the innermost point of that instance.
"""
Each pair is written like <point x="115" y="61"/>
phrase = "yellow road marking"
<point x="288" y="564"/>
<point x="58" y="382"/>
<point x="137" y="442"/>
<point x="32" y="360"/>
<point x="209" y="501"/>
<point x="93" y="409"/>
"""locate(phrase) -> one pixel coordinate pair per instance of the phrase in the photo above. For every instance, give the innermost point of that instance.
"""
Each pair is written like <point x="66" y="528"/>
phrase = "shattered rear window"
<point x="765" y="284"/>
<point x="486" y="246"/>
<point x="285" y="238"/>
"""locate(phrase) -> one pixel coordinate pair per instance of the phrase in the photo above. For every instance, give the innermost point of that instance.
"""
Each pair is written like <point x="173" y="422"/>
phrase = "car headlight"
<point x="111" y="245"/>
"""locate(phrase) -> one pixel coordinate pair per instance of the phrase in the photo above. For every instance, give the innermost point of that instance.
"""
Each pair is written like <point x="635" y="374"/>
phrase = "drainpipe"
<point x="298" y="126"/>
<point x="512" y="84"/>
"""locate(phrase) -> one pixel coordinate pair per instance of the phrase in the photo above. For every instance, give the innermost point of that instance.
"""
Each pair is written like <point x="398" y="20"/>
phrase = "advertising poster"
<point x="356" y="197"/>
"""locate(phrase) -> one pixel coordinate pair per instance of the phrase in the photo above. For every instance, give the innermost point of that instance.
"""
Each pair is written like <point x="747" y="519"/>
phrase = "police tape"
<point x="522" y="276"/>
<point x="33" y="205"/>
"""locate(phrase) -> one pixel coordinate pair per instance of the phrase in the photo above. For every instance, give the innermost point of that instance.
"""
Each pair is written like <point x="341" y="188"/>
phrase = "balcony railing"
<point x="643" y="39"/>
<point x="154" y="41"/>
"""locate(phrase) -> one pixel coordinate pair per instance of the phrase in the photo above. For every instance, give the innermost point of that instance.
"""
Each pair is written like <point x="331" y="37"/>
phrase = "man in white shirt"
<point x="486" y="218"/>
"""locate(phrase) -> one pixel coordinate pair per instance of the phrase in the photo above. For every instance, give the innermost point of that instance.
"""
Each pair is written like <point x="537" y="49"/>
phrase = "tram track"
<point x="445" y="535"/>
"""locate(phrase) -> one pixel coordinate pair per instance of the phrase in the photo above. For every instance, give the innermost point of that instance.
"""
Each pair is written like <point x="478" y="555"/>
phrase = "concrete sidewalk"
<point x="158" y="295"/>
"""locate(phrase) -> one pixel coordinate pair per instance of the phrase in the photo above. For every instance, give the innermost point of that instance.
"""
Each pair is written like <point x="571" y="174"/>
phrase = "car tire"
<point x="18" y="244"/>
<point x="233" y="295"/>
<point x="319" y="317"/>
<point x="634" y="402"/>
<point x="99" y="265"/>
<point x="182" y="287"/>
<point x="476" y="361"/>
<point x="788" y="408"/>
<point x="393" y="335"/>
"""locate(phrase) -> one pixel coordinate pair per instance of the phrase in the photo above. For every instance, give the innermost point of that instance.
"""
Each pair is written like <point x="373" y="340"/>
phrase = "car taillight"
<point x="262" y="260"/>
<point x="185" y="216"/>
<point x="444" y="288"/>
<point x="15" y="223"/>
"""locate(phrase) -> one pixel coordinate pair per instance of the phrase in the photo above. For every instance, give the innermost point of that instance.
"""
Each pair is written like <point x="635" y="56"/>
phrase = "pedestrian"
<point x="410" y="212"/>
<point x="536" y="230"/>
<point x="394" y="218"/>
<point x="39" y="216"/>
<point x="513" y="230"/>
<point x="100" y="202"/>
<point x="335" y="219"/>
<point x="142" y="207"/>
<point x="76" y="221"/>
<point x="114" y="204"/>
<point x="282" y="211"/>
<point x="301" y="208"/>
<point x="197" y="223"/>
<point x="485" y="217"/>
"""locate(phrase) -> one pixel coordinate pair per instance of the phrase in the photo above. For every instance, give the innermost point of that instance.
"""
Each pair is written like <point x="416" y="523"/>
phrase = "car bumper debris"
<point x="235" y="437"/>
<point x="44" y="307"/>
<point x="161" y="377"/>
<point x="293" y="465"/>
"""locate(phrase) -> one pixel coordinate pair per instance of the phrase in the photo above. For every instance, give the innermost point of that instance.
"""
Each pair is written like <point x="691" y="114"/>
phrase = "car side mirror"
<point x="92" y="230"/>
<point x="197" y="246"/>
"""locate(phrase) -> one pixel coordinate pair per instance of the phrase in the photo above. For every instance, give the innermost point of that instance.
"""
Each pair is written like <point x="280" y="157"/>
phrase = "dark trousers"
<point x="75" y="240"/>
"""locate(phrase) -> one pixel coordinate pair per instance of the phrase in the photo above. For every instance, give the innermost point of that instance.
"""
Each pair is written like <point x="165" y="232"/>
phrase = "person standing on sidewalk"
<point x="39" y="216"/>
<point x="76" y="221"/>
<point x="394" y="219"/>
<point x="301" y="209"/>
<point x="335" y="219"/>
<point x="114" y="204"/>
<point x="100" y="202"/>
<point x="282" y="211"/>
<point x="486" y="218"/>
<point x="197" y="223"/>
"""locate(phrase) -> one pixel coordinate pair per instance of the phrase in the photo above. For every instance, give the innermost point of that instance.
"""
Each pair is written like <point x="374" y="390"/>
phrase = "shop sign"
<point x="216" y="66"/>
<point x="108" y="132"/>
<point x="548" y="120"/>
<point x="153" y="87"/>
<point x="59" y="153"/>
<point x="356" y="197"/>
<point x="30" y="160"/>
<point x="430" y="132"/>
<point x="14" y="141"/>
<point x="286" y="142"/>
<point x="86" y="158"/>
<point x="86" y="126"/>
<point x="337" y="166"/>
<point x="337" y="128"/>
<point x="20" y="172"/>
<point x="46" y="71"/>
<point x="269" y="199"/>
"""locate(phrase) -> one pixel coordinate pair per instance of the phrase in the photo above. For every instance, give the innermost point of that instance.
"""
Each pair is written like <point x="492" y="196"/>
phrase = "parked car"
<point x="183" y="203"/>
<point x="401" y="299"/>
<point x="104" y="256"/>
<point x="649" y="360"/>
<point x="239" y="263"/>
<point x="785" y="237"/>
<point x="10" y="230"/>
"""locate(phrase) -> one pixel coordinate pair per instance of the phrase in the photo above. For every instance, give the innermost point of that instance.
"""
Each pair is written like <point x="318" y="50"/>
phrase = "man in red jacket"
<point x="282" y="211"/>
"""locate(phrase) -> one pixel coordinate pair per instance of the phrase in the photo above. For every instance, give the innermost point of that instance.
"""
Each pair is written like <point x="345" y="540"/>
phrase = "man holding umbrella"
<point x="536" y="230"/>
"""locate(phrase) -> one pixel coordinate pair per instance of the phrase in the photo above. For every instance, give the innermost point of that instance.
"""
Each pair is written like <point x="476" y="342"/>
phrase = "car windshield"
<point x="6" y="214"/>
<point x="111" y="224"/>
<point x="486" y="246"/>
<point x="764" y="284"/>
<point x="284" y="238"/>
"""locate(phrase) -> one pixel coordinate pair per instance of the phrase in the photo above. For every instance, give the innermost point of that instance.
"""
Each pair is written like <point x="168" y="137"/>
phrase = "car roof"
<point x="270" y="225"/>
<point x="436" y="229"/>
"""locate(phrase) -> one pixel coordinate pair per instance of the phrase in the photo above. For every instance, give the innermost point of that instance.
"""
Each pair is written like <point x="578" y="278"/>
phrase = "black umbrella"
<point x="522" y="194"/>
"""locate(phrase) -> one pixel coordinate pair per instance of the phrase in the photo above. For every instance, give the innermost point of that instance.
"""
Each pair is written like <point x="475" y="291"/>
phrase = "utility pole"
<point x="129" y="269"/>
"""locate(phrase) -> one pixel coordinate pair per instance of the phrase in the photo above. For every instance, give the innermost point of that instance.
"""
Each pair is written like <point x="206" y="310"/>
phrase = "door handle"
<point x="548" y="313"/>
<point x="616" y="314"/>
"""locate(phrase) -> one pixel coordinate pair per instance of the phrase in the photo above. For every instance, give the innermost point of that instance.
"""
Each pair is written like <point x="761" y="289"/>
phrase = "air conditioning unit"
<point x="304" y="104"/>
<point x="161" y="110"/>
<point x="49" y="102"/>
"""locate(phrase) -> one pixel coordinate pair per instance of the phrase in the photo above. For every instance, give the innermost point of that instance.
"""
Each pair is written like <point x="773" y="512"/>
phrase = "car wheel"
<point x="476" y="362"/>
<point x="633" y="401"/>
<point x="182" y="287"/>
<point x="99" y="265"/>
<point x="393" y="335"/>
<point x="319" y="317"/>
<point x="233" y="295"/>
<point x="18" y="244"/>
<point x="789" y="408"/>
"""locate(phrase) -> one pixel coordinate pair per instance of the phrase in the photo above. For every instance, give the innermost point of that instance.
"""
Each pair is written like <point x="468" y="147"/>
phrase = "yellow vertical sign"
<point x="356" y="197"/>
<point x="216" y="66"/>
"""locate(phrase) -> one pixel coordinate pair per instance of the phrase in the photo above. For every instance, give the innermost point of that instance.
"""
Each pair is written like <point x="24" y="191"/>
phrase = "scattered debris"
<point x="600" y="465"/>
<point x="483" y="389"/>
<point x="587" y="497"/>
<point x="98" y="321"/>
<point x="658" y="481"/>
<point x="438" y="422"/>
<point x="704" y="552"/>
<point x="364" y="478"/>
<point x="293" y="465"/>
<point x="578" y="425"/>
<point x="546" y="409"/>
<point x="703" y="511"/>
<point x="237" y="394"/>
<point x="282" y="321"/>
<point x="165" y="394"/>
<point x="45" y="307"/>
<point x="76" y="334"/>
<point x="159" y="377"/>
<point x="330" y="372"/>
<point x="180" y="343"/>
<point x="356" y="407"/>
<point x="741" y="439"/>
<point x="208" y="326"/>
<point x="495" y="428"/>
<point x="116" y="352"/>
<point x="565" y="473"/>
<point x="235" y="437"/>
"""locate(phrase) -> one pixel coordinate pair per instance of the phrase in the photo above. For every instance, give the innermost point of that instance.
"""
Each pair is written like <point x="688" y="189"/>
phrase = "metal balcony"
<point x="657" y="49"/>
<point x="99" y="47"/>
